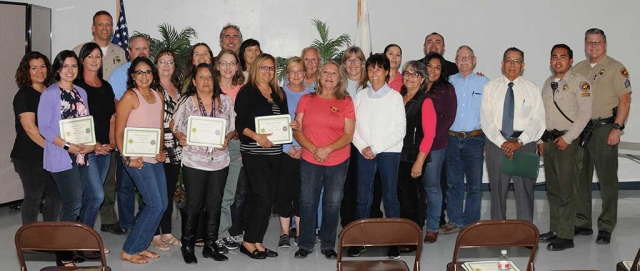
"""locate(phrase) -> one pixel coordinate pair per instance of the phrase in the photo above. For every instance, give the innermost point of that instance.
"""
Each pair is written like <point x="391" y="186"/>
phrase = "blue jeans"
<point x="93" y="194"/>
<point x="464" y="159"/>
<point x="313" y="180"/>
<point x="71" y="183"/>
<point x="126" y="195"/>
<point x="431" y="183"/>
<point x="387" y="163"/>
<point x="152" y="186"/>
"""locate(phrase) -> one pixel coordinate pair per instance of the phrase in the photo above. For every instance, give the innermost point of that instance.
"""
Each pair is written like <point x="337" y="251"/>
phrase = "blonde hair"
<point x="341" y="88"/>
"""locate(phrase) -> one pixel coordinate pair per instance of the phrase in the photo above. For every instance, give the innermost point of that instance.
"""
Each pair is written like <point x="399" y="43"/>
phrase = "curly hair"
<point x="131" y="83"/>
<point x="23" y="77"/>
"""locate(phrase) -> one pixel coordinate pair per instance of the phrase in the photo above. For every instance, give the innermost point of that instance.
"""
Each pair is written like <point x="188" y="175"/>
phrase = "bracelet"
<point x="126" y="160"/>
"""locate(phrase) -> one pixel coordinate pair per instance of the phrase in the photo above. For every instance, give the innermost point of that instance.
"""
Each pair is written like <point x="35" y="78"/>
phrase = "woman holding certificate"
<point x="260" y="97"/>
<point x="327" y="118"/>
<point x="203" y="110"/>
<point x="65" y="160"/>
<point x="103" y="109"/>
<point x="139" y="118"/>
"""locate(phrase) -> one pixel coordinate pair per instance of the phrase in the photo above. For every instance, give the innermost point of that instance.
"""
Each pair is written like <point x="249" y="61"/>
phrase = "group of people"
<point x="361" y="127"/>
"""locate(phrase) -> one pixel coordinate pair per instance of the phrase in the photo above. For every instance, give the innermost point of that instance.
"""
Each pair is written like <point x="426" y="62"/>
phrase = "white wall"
<point x="488" y="26"/>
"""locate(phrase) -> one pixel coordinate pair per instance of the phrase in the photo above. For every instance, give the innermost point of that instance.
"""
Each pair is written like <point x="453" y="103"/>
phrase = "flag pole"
<point x="118" y="8"/>
<point x="359" y="11"/>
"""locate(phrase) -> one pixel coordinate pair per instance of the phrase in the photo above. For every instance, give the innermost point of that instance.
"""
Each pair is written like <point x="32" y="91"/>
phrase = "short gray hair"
<point x="595" y="31"/>
<point x="136" y="36"/>
<point x="468" y="48"/>
<point x="237" y="28"/>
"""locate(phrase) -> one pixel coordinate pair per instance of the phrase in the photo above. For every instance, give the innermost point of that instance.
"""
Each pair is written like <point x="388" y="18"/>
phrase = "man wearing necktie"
<point x="512" y="118"/>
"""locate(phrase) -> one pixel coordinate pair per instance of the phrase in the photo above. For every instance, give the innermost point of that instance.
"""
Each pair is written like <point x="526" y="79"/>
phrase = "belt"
<point x="602" y="121"/>
<point x="466" y="134"/>
<point x="551" y="135"/>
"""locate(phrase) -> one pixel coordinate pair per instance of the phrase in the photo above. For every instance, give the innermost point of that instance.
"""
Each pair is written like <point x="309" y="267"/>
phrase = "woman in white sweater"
<point x="380" y="129"/>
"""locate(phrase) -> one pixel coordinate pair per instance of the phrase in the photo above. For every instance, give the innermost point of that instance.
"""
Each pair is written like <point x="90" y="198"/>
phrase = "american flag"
<point x="121" y="34"/>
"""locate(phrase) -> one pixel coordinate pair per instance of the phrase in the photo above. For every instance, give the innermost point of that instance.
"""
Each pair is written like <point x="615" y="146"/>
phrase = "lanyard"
<point x="201" y="106"/>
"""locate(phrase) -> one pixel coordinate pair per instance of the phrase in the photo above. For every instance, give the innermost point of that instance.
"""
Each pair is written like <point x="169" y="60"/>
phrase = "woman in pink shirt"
<point x="141" y="106"/>
<point x="327" y="119"/>
<point x="394" y="54"/>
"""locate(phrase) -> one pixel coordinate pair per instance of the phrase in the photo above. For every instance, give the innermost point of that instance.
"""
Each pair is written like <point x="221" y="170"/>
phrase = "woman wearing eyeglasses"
<point x="445" y="103"/>
<point x="421" y="128"/>
<point x="205" y="169"/>
<point x="261" y="96"/>
<point x="141" y="106"/>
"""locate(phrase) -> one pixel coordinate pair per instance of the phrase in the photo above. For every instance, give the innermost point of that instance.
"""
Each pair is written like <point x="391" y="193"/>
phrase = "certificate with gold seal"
<point x="206" y="131"/>
<point x="143" y="142"/>
<point x="78" y="130"/>
<point x="277" y="126"/>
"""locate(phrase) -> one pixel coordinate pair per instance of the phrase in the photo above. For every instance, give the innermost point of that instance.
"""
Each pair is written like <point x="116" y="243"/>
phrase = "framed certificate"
<point x="143" y="142"/>
<point x="486" y="266"/>
<point x="78" y="130"/>
<point x="206" y="131"/>
<point x="278" y="126"/>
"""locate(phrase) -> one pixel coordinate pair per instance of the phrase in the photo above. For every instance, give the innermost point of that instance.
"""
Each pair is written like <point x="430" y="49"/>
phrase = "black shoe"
<point x="604" y="237"/>
<point x="301" y="253"/>
<point x="270" y="253"/>
<point x="560" y="244"/>
<point x="582" y="231"/>
<point x="213" y="253"/>
<point x="329" y="253"/>
<point x="394" y="253"/>
<point x="112" y="228"/>
<point x="293" y="232"/>
<point x="255" y="254"/>
<point x="548" y="236"/>
<point x="220" y="247"/>
<point x="356" y="251"/>
<point x="188" y="255"/>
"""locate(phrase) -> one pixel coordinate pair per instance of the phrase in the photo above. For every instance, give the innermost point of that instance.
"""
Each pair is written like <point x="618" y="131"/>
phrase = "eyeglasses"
<point x="147" y="72"/>
<point x="353" y="61"/>
<point x="512" y="61"/>
<point x="267" y="68"/>
<point x="227" y="64"/>
<point x="296" y="72"/>
<point x="464" y="57"/>
<point x="164" y="62"/>
<point x="411" y="74"/>
<point x="595" y="43"/>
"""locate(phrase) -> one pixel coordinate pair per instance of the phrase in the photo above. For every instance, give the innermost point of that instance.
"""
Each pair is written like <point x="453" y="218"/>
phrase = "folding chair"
<point x="380" y="232"/>
<point x="59" y="236"/>
<point x="497" y="233"/>
<point x="634" y="266"/>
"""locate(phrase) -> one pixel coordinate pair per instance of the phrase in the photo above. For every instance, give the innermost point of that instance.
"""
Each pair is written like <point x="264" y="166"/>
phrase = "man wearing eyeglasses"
<point x="567" y="99"/>
<point x="512" y="118"/>
<point x="434" y="43"/>
<point x="611" y="104"/>
<point x="466" y="145"/>
<point x="112" y="55"/>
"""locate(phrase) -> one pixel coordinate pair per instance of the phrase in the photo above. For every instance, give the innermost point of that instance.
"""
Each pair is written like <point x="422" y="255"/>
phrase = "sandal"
<point x="172" y="240"/>
<point x="136" y="258"/>
<point x="199" y="243"/>
<point x="106" y="251"/>
<point x="149" y="254"/>
<point x="160" y="245"/>
<point x="66" y="263"/>
<point x="407" y="249"/>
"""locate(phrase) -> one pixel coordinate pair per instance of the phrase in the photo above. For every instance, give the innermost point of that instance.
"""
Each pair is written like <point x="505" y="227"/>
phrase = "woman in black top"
<point x="103" y="109"/>
<point x="32" y="77"/>
<point x="261" y="96"/>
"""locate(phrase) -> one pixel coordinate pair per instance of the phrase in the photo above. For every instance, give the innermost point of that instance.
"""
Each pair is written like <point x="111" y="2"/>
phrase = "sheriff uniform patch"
<point x="584" y="86"/>
<point x="624" y="72"/>
<point x="565" y="87"/>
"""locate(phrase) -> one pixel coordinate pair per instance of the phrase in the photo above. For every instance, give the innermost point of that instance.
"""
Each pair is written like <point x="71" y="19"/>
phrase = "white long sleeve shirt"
<point x="528" y="110"/>
<point x="380" y="120"/>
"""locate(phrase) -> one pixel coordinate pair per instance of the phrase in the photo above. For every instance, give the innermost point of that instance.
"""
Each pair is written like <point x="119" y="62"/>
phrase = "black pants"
<point x="262" y="172"/>
<point x="348" y="204"/>
<point x="37" y="184"/>
<point x="241" y="206"/>
<point x="204" y="191"/>
<point x="287" y="201"/>
<point x="171" y="172"/>
<point x="411" y="195"/>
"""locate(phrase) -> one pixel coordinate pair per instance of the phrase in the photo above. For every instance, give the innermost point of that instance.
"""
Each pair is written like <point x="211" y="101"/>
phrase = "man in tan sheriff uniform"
<point x="610" y="80"/>
<point x="567" y="103"/>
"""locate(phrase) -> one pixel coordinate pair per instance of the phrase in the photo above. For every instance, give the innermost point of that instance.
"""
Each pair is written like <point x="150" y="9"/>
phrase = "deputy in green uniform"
<point x="610" y="80"/>
<point x="567" y="103"/>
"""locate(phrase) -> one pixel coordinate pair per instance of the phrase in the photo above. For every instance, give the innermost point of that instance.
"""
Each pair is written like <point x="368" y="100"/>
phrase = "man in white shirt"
<point x="112" y="55"/>
<point x="512" y="118"/>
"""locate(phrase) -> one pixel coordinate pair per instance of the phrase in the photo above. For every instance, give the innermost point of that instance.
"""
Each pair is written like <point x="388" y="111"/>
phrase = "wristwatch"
<point x="520" y="142"/>
<point x="66" y="146"/>
<point x="618" y="127"/>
